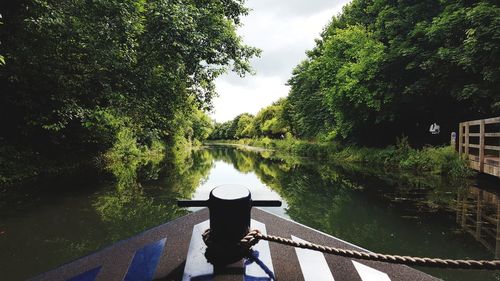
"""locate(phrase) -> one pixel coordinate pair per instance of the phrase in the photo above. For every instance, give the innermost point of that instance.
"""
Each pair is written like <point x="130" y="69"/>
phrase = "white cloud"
<point x="239" y="99"/>
<point x="284" y="30"/>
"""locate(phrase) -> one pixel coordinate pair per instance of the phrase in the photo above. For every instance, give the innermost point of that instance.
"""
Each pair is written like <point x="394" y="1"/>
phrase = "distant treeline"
<point x="386" y="68"/>
<point x="269" y="122"/>
<point x="82" y="76"/>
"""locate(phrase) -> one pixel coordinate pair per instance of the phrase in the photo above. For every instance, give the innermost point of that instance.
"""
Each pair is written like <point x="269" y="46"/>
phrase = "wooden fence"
<point x="479" y="140"/>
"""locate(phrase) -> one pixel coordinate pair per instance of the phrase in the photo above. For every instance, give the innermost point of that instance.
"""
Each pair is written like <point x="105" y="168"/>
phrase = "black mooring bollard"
<point x="230" y="207"/>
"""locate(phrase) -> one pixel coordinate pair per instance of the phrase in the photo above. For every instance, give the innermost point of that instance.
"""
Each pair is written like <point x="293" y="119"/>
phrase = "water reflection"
<point x="380" y="210"/>
<point x="76" y="216"/>
<point x="478" y="213"/>
<point x="146" y="192"/>
<point x="383" y="211"/>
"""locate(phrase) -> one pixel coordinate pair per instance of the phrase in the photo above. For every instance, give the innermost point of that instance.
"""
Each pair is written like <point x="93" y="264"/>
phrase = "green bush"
<point x="417" y="161"/>
<point x="435" y="160"/>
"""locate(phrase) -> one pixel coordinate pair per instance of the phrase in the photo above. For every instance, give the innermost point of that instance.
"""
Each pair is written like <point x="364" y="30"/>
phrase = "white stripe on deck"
<point x="196" y="263"/>
<point x="313" y="264"/>
<point x="370" y="274"/>
<point x="253" y="270"/>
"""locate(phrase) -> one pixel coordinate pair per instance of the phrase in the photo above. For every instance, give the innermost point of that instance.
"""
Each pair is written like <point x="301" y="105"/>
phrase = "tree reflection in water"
<point x="384" y="211"/>
<point x="398" y="213"/>
<point x="146" y="192"/>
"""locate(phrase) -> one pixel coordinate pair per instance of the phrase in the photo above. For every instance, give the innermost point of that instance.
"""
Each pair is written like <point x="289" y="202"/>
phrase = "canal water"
<point x="45" y="225"/>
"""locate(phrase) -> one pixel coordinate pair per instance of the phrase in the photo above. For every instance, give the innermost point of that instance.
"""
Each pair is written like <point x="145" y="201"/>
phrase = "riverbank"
<point x="428" y="160"/>
<point x="22" y="165"/>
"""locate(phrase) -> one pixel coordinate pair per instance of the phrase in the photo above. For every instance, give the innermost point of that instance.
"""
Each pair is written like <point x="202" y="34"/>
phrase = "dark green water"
<point x="43" y="226"/>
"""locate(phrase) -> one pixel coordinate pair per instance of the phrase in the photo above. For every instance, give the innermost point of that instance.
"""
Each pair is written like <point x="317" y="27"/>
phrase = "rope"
<point x="222" y="253"/>
<point x="254" y="236"/>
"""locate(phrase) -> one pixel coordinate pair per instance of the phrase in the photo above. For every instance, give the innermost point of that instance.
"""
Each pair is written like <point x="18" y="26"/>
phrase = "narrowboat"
<point x="177" y="250"/>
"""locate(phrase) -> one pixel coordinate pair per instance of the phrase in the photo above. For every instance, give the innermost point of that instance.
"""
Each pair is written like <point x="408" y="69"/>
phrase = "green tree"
<point x="202" y="125"/>
<point x="391" y="68"/>
<point x="244" y="128"/>
<point x="466" y="57"/>
<point x="222" y="131"/>
<point x="348" y="72"/>
<point x="79" y="71"/>
<point x="306" y="110"/>
<point x="270" y="120"/>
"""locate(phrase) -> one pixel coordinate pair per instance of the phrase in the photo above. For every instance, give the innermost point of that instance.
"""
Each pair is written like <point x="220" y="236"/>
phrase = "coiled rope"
<point x="254" y="236"/>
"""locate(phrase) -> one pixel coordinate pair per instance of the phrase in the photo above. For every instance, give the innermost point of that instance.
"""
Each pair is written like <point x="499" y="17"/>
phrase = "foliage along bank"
<point x="442" y="160"/>
<point x="82" y="78"/>
<point x="384" y="69"/>
<point x="381" y="71"/>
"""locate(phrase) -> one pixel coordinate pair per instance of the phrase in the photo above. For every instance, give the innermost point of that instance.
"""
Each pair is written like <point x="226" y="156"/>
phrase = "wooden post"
<point x="464" y="211"/>
<point x="460" y="139"/>
<point x="453" y="140"/>
<point x="497" y="244"/>
<point x="479" y="219"/>
<point x="481" y="146"/>
<point x="467" y="139"/>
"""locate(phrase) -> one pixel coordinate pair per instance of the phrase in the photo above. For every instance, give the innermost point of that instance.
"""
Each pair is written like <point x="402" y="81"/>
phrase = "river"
<point x="45" y="225"/>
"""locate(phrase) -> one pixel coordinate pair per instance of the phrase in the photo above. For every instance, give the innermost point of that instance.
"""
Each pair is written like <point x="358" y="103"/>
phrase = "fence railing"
<point x="479" y="140"/>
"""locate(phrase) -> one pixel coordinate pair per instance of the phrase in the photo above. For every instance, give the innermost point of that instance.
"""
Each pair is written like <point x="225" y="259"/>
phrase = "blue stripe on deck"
<point x="89" y="275"/>
<point x="144" y="263"/>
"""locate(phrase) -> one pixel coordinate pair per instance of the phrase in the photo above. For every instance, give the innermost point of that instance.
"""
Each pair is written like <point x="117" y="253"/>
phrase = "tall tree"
<point x="391" y="68"/>
<point x="78" y="70"/>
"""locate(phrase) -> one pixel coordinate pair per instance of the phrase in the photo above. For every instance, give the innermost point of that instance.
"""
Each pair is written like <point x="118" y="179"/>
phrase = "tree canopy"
<point x="389" y="68"/>
<point x="384" y="69"/>
<point x="270" y="121"/>
<point x="77" y="73"/>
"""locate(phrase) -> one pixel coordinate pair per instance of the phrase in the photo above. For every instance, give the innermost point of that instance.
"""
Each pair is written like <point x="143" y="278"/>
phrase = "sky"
<point x="283" y="30"/>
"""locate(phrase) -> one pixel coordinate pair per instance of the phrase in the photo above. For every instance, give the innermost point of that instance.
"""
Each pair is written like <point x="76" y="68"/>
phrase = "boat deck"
<point x="175" y="251"/>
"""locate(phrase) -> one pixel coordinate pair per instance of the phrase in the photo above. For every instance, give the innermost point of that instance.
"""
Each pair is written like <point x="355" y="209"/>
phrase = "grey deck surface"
<point x="161" y="253"/>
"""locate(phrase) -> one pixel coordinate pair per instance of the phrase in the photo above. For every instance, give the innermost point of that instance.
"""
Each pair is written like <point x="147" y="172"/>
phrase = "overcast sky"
<point x="283" y="30"/>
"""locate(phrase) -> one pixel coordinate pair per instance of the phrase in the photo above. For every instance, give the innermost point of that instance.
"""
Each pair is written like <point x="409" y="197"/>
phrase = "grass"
<point x="442" y="160"/>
